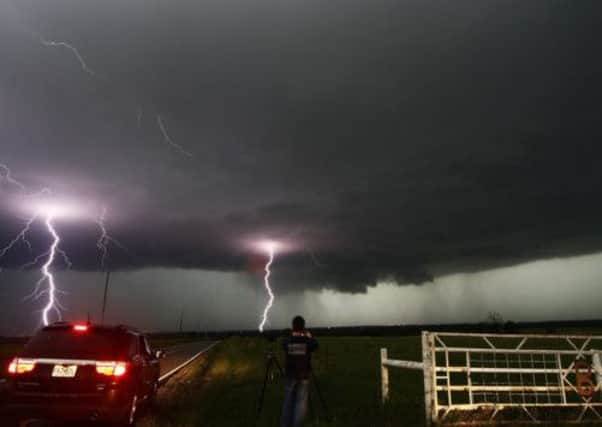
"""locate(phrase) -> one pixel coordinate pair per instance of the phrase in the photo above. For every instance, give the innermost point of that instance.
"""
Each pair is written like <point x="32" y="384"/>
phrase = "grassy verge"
<point x="223" y="389"/>
<point x="166" y="340"/>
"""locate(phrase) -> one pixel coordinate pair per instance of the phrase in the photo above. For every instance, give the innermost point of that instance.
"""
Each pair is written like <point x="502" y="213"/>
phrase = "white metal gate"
<point x="494" y="378"/>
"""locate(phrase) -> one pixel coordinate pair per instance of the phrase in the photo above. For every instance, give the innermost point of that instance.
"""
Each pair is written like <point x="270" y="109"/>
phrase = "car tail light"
<point x="120" y="370"/>
<point x="80" y="328"/>
<point x="21" y="366"/>
<point x="112" y="369"/>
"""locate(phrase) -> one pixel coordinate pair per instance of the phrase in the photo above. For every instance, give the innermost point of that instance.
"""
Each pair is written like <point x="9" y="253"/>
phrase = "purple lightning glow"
<point x="271" y="248"/>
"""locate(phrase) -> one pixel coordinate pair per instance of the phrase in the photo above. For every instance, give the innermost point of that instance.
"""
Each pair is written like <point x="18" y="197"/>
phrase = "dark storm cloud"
<point x="390" y="139"/>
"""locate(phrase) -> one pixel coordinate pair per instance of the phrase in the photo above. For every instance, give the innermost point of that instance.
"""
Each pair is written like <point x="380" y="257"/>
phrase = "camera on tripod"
<point x="271" y="336"/>
<point x="272" y="366"/>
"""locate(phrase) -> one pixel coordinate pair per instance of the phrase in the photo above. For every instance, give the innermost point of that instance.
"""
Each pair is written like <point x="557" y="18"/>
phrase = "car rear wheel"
<point x="128" y="417"/>
<point x="152" y="397"/>
<point x="133" y="410"/>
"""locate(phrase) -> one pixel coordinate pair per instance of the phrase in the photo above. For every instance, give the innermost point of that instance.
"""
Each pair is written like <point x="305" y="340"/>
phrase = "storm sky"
<point x="403" y="150"/>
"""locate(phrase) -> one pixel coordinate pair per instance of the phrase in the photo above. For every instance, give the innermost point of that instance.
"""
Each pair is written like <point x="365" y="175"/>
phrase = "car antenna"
<point x="104" y="299"/>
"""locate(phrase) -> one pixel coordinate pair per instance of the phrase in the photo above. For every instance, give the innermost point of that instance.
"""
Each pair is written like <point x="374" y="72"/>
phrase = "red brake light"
<point x="80" y="328"/>
<point x="21" y="366"/>
<point x="112" y="369"/>
<point x="120" y="369"/>
<point x="12" y="368"/>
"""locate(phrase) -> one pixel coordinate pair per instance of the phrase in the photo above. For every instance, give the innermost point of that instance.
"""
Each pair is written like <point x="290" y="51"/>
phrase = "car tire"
<point x="152" y="397"/>
<point x="128" y="414"/>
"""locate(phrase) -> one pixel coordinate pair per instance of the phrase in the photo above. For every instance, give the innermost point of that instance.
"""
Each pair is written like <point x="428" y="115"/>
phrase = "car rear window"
<point x="96" y="344"/>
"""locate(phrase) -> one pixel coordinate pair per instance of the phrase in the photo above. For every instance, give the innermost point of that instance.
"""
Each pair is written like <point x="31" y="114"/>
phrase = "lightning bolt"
<point x="35" y="261"/>
<point x="103" y="241"/>
<point x="266" y="282"/>
<point x="168" y="139"/>
<point x="47" y="275"/>
<point x="73" y="49"/>
<point x="21" y="236"/>
<point x="7" y="176"/>
<point x="139" y="113"/>
<point x="52" y="302"/>
<point x="38" y="258"/>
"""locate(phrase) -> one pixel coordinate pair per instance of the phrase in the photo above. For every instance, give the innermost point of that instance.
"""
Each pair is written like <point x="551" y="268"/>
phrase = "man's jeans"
<point x="294" y="407"/>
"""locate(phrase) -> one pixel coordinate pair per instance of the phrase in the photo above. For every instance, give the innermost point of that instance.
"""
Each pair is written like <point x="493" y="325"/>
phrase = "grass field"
<point x="223" y="389"/>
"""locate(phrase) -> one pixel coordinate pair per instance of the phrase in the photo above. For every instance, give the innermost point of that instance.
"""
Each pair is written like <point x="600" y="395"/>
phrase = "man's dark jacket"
<point x="298" y="349"/>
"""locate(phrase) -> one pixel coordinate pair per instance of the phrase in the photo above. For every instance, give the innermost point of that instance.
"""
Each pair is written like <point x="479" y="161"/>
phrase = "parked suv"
<point x="82" y="371"/>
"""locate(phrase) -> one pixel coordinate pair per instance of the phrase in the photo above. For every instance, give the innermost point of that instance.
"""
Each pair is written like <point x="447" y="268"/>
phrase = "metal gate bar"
<point x="527" y="372"/>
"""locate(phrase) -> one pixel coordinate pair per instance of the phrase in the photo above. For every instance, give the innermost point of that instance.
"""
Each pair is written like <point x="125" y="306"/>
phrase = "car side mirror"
<point x="160" y="354"/>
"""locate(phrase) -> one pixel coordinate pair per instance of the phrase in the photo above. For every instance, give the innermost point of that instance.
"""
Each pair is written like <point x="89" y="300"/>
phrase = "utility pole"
<point x="104" y="299"/>
<point x="181" y="319"/>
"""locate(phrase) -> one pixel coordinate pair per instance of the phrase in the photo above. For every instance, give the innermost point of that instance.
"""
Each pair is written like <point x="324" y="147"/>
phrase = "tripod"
<point x="270" y="362"/>
<point x="314" y="380"/>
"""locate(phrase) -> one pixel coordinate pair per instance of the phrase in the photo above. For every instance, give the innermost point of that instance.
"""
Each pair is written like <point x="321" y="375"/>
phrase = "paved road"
<point x="178" y="354"/>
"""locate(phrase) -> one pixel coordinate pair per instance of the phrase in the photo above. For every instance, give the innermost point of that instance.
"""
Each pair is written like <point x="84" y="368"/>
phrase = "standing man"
<point x="297" y="348"/>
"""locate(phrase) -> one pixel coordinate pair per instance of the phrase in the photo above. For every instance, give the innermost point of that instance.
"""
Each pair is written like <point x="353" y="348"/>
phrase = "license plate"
<point x="61" y="371"/>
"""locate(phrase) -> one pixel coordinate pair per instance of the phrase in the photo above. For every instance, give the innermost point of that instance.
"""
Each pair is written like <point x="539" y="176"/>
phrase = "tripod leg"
<point x="320" y="397"/>
<point x="278" y="366"/>
<point x="268" y="368"/>
<point x="311" y="407"/>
